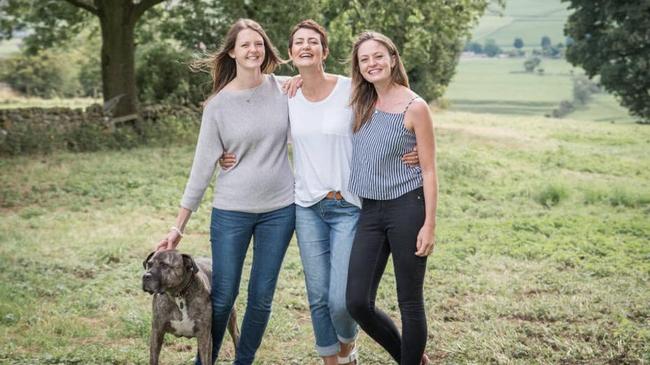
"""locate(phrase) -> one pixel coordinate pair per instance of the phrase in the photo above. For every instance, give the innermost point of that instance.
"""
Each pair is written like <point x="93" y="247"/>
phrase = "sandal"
<point x="351" y="358"/>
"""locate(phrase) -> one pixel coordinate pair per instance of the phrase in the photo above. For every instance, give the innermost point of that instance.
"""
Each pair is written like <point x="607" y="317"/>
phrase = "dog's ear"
<point x="144" y="263"/>
<point x="189" y="263"/>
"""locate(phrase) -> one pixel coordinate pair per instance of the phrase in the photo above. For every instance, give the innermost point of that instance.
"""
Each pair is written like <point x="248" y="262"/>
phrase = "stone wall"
<point x="26" y="130"/>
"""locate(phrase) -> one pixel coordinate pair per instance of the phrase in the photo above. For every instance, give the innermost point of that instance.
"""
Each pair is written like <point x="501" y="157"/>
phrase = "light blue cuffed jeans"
<point x="325" y="234"/>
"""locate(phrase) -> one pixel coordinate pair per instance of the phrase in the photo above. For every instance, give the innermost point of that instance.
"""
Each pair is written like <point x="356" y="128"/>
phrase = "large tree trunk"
<point x="117" y="21"/>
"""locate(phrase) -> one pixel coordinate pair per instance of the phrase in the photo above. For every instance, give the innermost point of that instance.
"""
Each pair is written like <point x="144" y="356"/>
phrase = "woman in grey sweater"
<point x="247" y="114"/>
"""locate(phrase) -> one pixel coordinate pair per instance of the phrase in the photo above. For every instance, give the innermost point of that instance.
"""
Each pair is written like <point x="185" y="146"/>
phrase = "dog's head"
<point x="166" y="270"/>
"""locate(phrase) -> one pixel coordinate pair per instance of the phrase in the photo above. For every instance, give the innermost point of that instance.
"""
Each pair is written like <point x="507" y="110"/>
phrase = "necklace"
<point x="248" y="100"/>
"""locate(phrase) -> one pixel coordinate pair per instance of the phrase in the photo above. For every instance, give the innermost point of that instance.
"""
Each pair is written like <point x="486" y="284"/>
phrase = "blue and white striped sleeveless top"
<point x="377" y="171"/>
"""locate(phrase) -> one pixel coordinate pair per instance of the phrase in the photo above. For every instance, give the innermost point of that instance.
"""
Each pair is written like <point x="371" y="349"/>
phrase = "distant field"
<point x="500" y="86"/>
<point x="603" y="108"/>
<point x="9" y="47"/>
<point x="12" y="101"/>
<point x="528" y="19"/>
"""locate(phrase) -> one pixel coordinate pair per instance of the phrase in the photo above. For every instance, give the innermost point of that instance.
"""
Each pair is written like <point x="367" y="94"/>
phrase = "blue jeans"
<point x="230" y="235"/>
<point x="325" y="234"/>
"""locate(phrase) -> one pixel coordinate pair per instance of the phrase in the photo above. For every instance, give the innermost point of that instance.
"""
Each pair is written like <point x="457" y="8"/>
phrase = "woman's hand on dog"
<point x="170" y="242"/>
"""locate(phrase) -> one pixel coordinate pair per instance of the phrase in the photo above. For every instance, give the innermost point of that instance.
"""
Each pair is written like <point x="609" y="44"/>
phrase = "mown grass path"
<point x="542" y="253"/>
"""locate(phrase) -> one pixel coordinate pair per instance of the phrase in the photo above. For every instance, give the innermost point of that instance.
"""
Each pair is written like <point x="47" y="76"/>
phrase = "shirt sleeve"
<point x="209" y="149"/>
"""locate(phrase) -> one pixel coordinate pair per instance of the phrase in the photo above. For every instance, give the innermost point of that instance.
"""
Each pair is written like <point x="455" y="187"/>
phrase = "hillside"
<point x="500" y="85"/>
<point x="528" y="19"/>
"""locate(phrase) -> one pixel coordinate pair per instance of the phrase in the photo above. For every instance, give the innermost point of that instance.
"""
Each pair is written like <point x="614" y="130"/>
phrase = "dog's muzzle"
<point x="150" y="284"/>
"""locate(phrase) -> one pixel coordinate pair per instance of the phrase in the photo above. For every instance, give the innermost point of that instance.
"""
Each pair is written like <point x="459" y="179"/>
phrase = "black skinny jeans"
<point x="390" y="227"/>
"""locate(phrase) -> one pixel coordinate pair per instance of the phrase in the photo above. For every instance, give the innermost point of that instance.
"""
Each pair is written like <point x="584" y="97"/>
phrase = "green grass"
<point x="603" y="108"/>
<point x="526" y="19"/>
<point x="11" y="100"/>
<point x="542" y="251"/>
<point x="9" y="47"/>
<point x="500" y="86"/>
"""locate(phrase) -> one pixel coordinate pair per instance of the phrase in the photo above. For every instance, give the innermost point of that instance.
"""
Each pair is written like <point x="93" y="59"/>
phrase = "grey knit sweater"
<point x="253" y="124"/>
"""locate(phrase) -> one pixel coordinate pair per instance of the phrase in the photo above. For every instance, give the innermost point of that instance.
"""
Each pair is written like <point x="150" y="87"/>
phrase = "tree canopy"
<point x="429" y="35"/>
<point x="610" y="38"/>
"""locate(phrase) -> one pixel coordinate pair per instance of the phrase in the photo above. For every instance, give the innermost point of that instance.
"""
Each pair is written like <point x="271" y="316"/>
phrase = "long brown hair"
<point x="364" y="95"/>
<point x="223" y="68"/>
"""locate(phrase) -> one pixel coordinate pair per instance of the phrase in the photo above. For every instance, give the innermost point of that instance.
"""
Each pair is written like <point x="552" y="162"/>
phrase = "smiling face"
<point x="375" y="61"/>
<point x="248" y="51"/>
<point x="307" y="49"/>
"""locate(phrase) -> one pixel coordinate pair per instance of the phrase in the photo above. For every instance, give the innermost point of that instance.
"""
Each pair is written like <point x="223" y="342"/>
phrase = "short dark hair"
<point x="310" y="24"/>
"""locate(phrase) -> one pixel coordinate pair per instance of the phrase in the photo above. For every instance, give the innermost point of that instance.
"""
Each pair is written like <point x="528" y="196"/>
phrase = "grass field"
<point x="10" y="100"/>
<point x="528" y="19"/>
<point x="542" y="251"/>
<point x="500" y="86"/>
<point x="9" y="47"/>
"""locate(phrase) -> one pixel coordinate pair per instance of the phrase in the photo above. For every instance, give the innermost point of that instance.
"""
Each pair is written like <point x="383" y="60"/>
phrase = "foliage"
<point x="566" y="107"/>
<point x="163" y="75"/>
<point x="50" y="23"/>
<point x="552" y="194"/>
<point x="518" y="43"/>
<point x="47" y="73"/>
<point x="532" y="63"/>
<point x="491" y="48"/>
<point x="583" y="88"/>
<point x="546" y="42"/>
<point x="160" y="126"/>
<point x="429" y="35"/>
<point x="609" y="38"/>
<point x="67" y="70"/>
<point x="475" y="47"/>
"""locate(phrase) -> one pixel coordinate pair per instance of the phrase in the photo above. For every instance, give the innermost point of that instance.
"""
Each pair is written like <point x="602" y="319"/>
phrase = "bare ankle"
<point x="346" y="348"/>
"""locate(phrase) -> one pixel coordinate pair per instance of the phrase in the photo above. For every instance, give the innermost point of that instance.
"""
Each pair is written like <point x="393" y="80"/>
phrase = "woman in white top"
<point x="326" y="212"/>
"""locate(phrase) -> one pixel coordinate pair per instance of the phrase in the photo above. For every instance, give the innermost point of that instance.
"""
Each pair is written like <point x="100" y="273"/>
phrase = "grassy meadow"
<point x="501" y="85"/>
<point x="542" y="251"/>
<point x="528" y="19"/>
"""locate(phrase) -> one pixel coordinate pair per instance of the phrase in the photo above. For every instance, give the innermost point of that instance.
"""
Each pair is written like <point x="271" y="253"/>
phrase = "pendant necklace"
<point x="248" y="100"/>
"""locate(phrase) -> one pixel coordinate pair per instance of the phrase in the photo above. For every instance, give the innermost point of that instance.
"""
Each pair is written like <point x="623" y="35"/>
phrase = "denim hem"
<point x="347" y="340"/>
<point x="328" y="350"/>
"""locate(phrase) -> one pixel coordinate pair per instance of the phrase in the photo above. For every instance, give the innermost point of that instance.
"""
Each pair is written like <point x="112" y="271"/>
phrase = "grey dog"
<point x="181" y="301"/>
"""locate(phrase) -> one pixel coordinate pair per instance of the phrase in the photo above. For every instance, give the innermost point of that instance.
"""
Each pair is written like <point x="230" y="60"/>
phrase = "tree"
<point x="531" y="63"/>
<point x="475" y="47"/>
<point x="519" y="43"/>
<point x="609" y="38"/>
<point x="429" y="35"/>
<point x="491" y="48"/>
<point x="546" y="42"/>
<point x="55" y="20"/>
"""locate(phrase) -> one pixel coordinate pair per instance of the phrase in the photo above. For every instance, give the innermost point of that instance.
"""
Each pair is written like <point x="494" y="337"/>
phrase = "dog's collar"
<point x="183" y="290"/>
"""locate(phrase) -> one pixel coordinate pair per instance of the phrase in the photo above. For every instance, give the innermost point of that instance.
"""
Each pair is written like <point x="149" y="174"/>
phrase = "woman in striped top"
<point x="399" y="201"/>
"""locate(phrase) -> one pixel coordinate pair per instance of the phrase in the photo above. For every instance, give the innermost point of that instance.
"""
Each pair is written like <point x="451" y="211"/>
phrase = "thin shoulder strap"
<point x="410" y="102"/>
